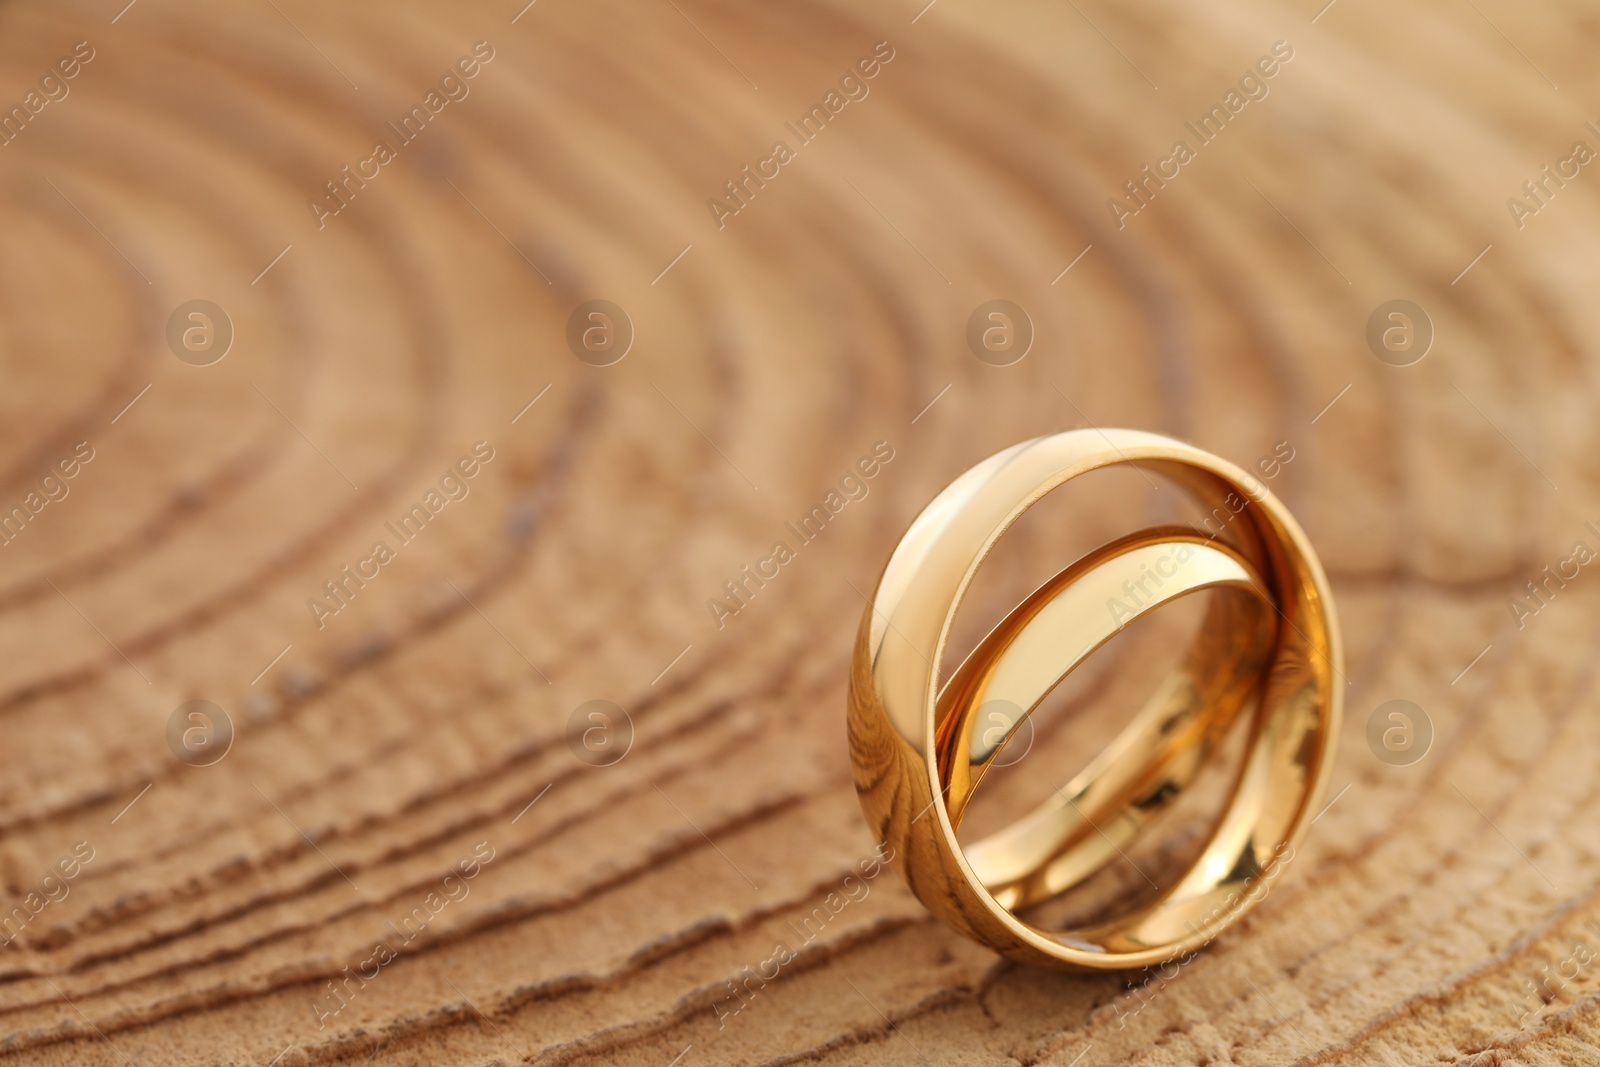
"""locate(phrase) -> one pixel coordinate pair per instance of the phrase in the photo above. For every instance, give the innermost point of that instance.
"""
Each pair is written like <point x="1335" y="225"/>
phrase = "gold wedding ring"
<point x="1269" y="644"/>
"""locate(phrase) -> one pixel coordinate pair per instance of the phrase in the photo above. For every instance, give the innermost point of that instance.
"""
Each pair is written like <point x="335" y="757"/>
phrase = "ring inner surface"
<point x="1146" y="768"/>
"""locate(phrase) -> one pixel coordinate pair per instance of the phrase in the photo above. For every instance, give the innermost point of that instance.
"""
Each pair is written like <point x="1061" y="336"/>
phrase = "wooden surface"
<point x="1443" y="911"/>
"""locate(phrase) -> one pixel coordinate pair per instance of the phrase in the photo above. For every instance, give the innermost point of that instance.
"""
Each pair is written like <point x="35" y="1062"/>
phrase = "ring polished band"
<point x="1269" y="642"/>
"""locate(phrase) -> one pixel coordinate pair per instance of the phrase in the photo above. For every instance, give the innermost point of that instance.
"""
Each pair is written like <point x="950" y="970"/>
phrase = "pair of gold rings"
<point x="1269" y="644"/>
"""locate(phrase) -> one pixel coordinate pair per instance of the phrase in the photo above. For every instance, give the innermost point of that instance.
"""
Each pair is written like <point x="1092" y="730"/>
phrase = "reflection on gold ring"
<point x="1269" y="642"/>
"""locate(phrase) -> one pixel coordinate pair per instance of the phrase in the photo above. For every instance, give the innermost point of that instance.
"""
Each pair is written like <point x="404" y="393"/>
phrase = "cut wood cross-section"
<point x="445" y="451"/>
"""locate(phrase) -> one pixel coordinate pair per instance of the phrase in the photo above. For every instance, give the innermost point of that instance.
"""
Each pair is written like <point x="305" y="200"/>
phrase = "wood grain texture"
<point x="1440" y="912"/>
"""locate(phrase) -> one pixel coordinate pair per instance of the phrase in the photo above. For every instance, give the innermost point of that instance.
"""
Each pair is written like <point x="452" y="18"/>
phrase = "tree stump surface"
<point x="405" y="837"/>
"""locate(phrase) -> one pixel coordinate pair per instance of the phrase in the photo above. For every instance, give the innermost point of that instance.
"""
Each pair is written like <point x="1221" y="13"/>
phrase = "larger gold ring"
<point x="1270" y="643"/>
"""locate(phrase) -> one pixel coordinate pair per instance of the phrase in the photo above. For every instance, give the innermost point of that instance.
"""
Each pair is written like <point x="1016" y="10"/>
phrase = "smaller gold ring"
<point x="1269" y="642"/>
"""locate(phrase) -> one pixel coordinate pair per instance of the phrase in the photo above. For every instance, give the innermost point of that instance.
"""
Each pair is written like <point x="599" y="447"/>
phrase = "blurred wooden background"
<point x="1442" y="911"/>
